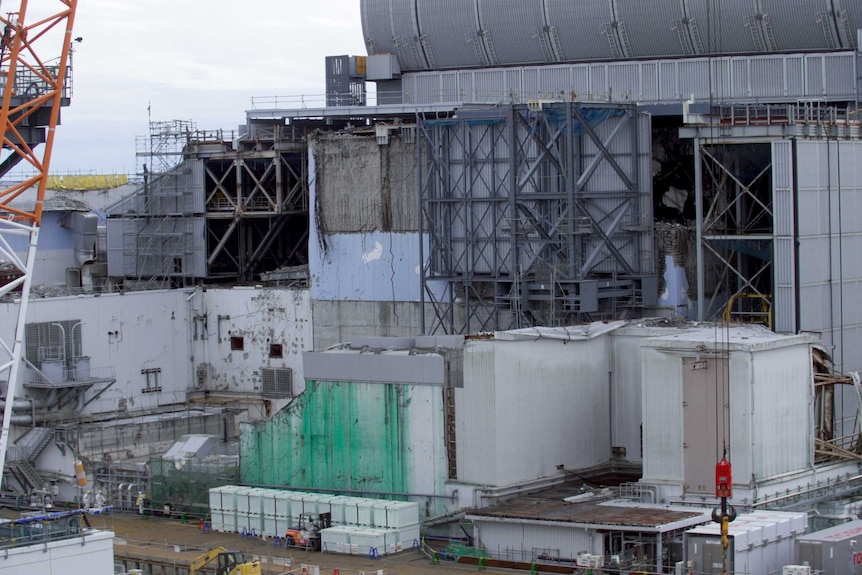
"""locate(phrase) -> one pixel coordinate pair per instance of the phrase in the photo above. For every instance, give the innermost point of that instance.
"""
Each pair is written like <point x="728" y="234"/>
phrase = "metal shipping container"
<point x="837" y="550"/>
<point x="759" y="544"/>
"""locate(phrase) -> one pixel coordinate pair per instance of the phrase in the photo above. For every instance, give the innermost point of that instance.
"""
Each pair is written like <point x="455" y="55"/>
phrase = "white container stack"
<point x="361" y="526"/>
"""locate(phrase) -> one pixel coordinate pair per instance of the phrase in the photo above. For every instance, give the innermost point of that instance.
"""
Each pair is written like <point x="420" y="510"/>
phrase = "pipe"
<point x="63" y="333"/>
<point x="452" y="497"/>
<point x="74" y="356"/>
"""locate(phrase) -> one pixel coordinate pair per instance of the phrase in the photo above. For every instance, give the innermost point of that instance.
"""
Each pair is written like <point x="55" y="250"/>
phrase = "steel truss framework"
<point x="257" y="211"/>
<point x="536" y="215"/>
<point x="33" y="91"/>
<point x="735" y="215"/>
<point x="223" y="213"/>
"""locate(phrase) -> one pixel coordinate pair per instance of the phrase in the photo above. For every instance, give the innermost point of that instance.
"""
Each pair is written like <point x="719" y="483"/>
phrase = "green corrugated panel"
<point x="336" y="435"/>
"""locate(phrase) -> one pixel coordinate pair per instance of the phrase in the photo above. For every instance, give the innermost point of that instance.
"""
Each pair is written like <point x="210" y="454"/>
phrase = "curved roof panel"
<point x="652" y="28"/>
<point x="583" y="28"/>
<point x="441" y="34"/>
<point x="452" y="31"/>
<point x="848" y="17"/>
<point x="515" y="31"/>
<point x="796" y="24"/>
<point x="723" y="27"/>
<point x="376" y="27"/>
<point x="405" y="33"/>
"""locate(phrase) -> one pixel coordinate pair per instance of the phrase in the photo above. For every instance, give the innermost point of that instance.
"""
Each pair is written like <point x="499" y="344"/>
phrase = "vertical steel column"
<point x="698" y="199"/>
<point x="420" y="137"/>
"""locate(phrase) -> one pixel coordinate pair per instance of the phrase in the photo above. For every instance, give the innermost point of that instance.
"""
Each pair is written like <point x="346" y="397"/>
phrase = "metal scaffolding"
<point x="537" y="215"/>
<point x="227" y="209"/>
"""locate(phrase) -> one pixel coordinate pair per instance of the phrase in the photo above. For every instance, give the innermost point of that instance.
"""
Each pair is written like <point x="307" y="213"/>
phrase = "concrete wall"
<point x="363" y="186"/>
<point x="178" y="332"/>
<point x="528" y="407"/>
<point x="341" y="321"/>
<point x="262" y="317"/>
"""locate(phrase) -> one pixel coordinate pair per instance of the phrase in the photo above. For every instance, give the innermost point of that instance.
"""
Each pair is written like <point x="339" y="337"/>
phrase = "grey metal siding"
<point x="802" y="25"/>
<point x="582" y="28"/>
<point x="650" y="27"/>
<point x="475" y="33"/>
<point x="758" y="78"/>
<point x="525" y="542"/>
<point x="724" y="28"/>
<point x="451" y="28"/>
<point x="784" y="300"/>
<point x="405" y="35"/>
<point x="515" y="29"/>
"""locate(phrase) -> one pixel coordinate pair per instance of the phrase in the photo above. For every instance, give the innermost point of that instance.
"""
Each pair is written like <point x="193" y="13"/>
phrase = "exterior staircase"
<point x="23" y="454"/>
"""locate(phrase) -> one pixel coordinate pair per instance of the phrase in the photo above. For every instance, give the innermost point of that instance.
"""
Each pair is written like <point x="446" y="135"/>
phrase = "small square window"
<point x="237" y="343"/>
<point x="275" y="350"/>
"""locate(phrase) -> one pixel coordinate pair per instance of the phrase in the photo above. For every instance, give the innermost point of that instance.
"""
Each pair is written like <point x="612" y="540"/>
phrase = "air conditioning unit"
<point x="796" y="570"/>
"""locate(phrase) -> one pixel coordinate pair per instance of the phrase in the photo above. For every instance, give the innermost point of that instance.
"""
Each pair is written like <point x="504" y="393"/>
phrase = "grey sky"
<point x="199" y="60"/>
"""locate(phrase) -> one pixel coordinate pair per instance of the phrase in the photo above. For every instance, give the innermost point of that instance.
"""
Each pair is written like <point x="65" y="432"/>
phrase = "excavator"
<point x="307" y="535"/>
<point x="229" y="563"/>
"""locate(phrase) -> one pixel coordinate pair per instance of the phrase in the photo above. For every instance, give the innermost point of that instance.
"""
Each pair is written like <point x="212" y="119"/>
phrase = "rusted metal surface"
<point x="551" y="507"/>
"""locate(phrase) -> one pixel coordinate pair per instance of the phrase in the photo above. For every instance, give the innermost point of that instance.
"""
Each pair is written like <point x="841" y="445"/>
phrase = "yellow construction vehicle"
<point x="229" y="563"/>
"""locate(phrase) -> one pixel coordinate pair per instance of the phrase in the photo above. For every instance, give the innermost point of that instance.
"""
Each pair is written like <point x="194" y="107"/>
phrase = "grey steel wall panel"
<point x="724" y="28"/>
<point x="515" y="29"/>
<point x="527" y="541"/>
<point x="649" y="82"/>
<point x="795" y="79"/>
<point x="815" y="83"/>
<point x="669" y="81"/>
<point x="114" y="231"/>
<point x="770" y="73"/>
<point x="465" y="86"/>
<point x="796" y="24"/>
<point x="581" y="26"/>
<point x="649" y="26"/>
<point x="757" y="78"/>
<point x="837" y="71"/>
<point x="451" y="28"/>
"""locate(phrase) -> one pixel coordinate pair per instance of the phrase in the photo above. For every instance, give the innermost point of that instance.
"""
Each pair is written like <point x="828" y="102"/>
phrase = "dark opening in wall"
<point x="237" y="343"/>
<point x="276" y="350"/>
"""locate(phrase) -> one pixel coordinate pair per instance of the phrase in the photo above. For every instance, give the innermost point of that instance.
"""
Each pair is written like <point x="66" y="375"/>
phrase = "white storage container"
<point x="270" y="527"/>
<point x="282" y="504"/>
<point x="336" y="539"/>
<point x="408" y="536"/>
<point x="246" y="500"/>
<point x="365" y="511"/>
<point x="378" y="513"/>
<point x="268" y="498"/>
<point x="351" y="510"/>
<point x="364" y="540"/>
<point x="401" y="514"/>
<point x="217" y="520"/>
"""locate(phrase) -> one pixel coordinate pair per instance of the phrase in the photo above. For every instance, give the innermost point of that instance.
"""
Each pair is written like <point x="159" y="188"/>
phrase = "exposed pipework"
<point x="85" y="227"/>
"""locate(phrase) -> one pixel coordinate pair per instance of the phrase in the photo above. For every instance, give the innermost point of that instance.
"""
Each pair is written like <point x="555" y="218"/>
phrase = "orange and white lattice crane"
<point x="33" y="91"/>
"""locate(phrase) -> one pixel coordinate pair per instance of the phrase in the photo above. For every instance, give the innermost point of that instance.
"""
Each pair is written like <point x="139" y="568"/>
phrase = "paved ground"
<point x="171" y="543"/>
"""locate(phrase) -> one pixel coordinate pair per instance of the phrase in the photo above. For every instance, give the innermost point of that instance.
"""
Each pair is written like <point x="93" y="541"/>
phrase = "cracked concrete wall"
<point x="364" y="186"/>
<point x="177" y="335"/>
<point x="263" y="318"/>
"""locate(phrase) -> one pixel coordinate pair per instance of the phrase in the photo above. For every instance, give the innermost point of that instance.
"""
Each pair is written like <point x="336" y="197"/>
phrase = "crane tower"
<point x="34" y="89"/>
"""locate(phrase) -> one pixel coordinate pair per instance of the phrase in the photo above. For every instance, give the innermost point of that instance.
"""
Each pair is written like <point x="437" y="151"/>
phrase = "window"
<point x="237" y="343"/>
<point x="152" y="378"/>
<point x="277" y="382"/>
<point x="276" y="350"/>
